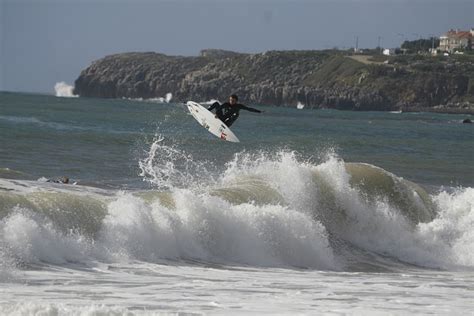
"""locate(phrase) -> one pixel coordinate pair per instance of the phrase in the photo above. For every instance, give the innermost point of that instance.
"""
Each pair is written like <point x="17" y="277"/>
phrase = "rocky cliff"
<point x="318" y="79"/>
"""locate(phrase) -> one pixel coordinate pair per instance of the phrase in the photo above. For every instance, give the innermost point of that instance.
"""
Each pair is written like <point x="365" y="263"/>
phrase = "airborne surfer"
<point x="229" y="111"/>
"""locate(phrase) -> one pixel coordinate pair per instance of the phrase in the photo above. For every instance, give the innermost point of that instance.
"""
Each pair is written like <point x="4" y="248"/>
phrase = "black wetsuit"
<point x="228" y="113"/>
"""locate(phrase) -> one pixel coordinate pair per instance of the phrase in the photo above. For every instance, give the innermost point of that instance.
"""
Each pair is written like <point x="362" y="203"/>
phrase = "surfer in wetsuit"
<point x="229" y="111"/>
<point x="62" y="180"/>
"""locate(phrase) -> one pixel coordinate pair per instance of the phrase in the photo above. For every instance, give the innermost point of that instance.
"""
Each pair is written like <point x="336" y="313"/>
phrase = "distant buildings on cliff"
<point x="455" y="40"/>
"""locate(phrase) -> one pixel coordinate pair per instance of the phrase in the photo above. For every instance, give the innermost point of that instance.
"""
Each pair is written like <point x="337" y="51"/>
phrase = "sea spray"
<point x="166" y="166"/>
<point x="377" y="224"/>
<point x="33" y="238"/>
<point x="286" y="211"/>
<point x="387" y="219"/>
<point x="166" y="99"/>
<point x="282" y="170"/>
<point x="209" y="229"/>
<point x="453" y="227"/>
<point x="43" y="308"/>
<point x="64" y="90"/>
<point x="385" y="222"/>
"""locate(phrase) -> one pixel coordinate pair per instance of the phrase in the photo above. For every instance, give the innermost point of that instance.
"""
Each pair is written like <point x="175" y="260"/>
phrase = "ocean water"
<point x="314" y="211"/>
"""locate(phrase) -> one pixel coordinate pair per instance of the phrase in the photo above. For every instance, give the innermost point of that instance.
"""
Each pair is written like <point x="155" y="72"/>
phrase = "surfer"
<point x="229" y="111"/>
<point x="62" y="180"/>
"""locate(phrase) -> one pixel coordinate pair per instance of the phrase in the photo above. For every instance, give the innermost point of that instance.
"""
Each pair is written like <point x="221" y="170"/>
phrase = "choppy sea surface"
<point x="314" y="211"/>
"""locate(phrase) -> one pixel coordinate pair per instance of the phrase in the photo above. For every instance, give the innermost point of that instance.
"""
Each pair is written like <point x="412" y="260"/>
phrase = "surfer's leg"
<point x="229" y="121"/>
<point x="219" y="112"/>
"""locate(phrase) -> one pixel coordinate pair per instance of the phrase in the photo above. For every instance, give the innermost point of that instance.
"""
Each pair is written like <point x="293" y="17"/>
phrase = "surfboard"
<point x="208" y="120"/>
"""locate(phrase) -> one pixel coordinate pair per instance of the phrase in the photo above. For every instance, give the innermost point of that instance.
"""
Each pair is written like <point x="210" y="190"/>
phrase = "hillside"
<point x="318" y="79"/>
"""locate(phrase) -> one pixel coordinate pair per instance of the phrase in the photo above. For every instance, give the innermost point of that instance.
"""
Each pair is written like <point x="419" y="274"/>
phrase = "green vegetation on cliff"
<point x="319" y="79"/>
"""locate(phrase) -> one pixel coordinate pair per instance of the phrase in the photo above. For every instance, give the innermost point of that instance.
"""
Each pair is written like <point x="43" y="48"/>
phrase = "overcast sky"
<point x="46" y="41"/>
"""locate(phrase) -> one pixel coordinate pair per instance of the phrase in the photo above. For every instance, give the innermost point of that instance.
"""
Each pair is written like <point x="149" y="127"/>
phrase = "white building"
<point x="456" y="39"/>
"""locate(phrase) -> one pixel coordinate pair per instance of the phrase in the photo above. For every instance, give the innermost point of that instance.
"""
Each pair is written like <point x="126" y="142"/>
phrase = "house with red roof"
<point x="455" y="40"/>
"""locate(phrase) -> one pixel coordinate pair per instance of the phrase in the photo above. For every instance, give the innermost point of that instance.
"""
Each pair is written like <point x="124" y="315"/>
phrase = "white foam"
<point x="381" y="227"/>
<point x="62" y="89"/>
<point x="200" y="223"/>
<point x="282" y="170"/>
<point x="199" y="227"/>
<point x="453" y="228"/>
<point x="372" y="223"/>
<point x="32" y="238"/>
<point x="166" y="99"/>
<point x="166" y="166"/>
<point x="210" y="229"/>
<point x="46" y="309"/>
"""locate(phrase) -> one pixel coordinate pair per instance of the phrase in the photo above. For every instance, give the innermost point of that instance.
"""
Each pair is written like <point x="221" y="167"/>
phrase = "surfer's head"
<point x="233" y="99"/>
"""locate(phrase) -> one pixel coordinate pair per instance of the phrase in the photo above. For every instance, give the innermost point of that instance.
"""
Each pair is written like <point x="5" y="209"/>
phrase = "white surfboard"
<point x="208" y="120"/>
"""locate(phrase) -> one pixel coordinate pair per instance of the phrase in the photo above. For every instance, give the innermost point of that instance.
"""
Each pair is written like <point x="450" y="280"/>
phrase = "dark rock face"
<point x="318" y="79"/>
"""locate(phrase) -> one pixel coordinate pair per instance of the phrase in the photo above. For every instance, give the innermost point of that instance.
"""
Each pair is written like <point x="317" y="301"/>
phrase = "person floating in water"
<point x="63" y="180"/>
<point x="229" y="111"/>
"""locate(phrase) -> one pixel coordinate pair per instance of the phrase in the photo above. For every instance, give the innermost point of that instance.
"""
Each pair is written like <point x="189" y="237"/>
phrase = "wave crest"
<point x="266" y="209"/>
<point x="64" y="90"/>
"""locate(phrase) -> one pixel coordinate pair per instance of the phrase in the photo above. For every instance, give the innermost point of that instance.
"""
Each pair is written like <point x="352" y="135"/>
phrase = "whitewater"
<point x="303" y="217"/>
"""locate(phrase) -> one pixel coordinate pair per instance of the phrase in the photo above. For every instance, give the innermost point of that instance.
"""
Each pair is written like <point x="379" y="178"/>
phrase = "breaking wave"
<point x="64" y="90"/>
<point x="166" y="99"/>
<point x="266" y="209"/>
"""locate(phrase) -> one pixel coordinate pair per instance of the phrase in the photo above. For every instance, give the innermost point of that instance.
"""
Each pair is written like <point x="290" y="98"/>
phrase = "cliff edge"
<point x="318" y="79"/>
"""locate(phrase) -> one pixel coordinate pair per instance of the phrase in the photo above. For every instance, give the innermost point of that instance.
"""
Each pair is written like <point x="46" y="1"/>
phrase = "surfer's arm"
<point x="243" y="107"/>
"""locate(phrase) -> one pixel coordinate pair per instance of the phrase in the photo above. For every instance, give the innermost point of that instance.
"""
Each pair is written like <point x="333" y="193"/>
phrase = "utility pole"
<point x="433" y="44"/>
<point x="357" y="45"/>
<point x="432" y="41"/>
<point x="378" y="45"/>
